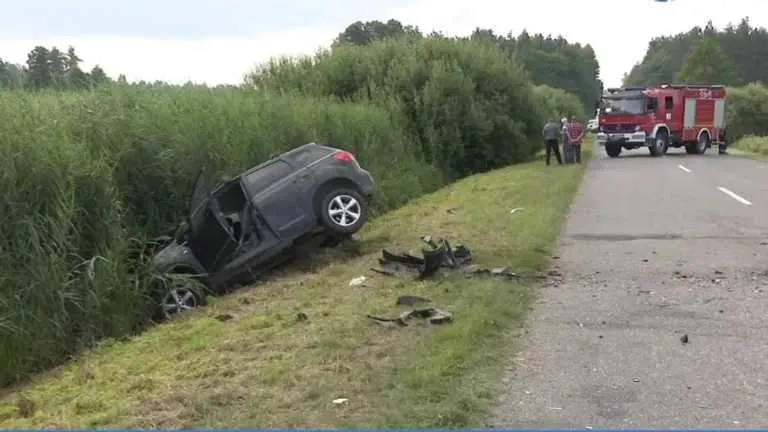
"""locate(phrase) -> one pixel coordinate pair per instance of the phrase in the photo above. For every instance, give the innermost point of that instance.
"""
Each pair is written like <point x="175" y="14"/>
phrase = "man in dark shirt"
<point x="551" y="133"/>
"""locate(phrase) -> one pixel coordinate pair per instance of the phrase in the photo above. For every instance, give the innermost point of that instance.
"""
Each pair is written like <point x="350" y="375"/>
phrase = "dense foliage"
<point x="551" y="61"/>
<point x="740" y="56"/>
<point x="747" y="111"/>
<point x="556" y="103"/>
<point x="470" y="107"/>
<point x="87" y="173"/>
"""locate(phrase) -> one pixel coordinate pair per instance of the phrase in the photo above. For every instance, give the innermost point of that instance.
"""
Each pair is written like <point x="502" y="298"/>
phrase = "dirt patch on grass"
<point x="280" y="353"/>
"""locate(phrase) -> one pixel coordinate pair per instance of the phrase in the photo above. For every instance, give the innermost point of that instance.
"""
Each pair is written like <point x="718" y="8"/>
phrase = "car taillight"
<point x="345" y="156"/>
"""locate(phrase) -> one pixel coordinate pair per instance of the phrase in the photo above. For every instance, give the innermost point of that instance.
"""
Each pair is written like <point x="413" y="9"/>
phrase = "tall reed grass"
<point x="84" y="173"/>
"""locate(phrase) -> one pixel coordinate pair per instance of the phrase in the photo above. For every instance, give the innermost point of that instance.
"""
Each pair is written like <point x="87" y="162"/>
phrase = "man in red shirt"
<point x="575" y="131"/>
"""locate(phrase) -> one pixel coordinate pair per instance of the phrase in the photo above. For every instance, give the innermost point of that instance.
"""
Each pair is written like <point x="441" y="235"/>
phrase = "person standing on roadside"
<point x="551" y="134"/>
<point x="567" y="153"/>
<point x="575" y="132"/>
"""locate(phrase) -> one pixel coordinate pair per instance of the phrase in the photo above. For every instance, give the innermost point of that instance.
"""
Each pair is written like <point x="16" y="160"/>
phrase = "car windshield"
<point x="631" y="106"/>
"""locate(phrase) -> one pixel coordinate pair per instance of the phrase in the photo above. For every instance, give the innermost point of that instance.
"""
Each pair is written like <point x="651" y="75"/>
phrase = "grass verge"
<point x="264" y="367"/>
<point x="755" y="147"/>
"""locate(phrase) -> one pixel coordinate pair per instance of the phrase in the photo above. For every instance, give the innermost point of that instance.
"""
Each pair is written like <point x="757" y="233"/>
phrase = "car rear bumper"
<point x="367" y="184"/>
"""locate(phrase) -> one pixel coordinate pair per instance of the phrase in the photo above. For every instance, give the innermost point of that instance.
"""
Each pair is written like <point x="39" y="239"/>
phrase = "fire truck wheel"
<point x="660" y="144"/>
<point x="613" y="150"/>
<point x="703" y="143"/>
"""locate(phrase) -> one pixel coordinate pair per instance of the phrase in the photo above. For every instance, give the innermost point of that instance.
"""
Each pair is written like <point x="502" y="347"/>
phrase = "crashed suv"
<point x="312" y="194"/>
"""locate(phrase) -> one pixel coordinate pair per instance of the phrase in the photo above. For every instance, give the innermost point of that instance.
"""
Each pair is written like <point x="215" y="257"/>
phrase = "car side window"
<point x="266" y="176"/>
<point x="668" y="103"/>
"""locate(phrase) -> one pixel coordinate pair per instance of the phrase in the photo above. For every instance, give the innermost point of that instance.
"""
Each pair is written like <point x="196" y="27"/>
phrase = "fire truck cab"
<point x="677" y="115"/>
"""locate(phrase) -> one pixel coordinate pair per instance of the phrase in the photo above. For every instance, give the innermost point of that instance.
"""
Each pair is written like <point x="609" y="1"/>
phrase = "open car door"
<point x="211" y="238"/>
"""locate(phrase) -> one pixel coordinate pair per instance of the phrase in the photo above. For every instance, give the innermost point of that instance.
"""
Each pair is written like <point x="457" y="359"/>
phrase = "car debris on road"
<point x="440" y="255"/>
<point x="431" y="315"/>
<point x="440" y="258"/>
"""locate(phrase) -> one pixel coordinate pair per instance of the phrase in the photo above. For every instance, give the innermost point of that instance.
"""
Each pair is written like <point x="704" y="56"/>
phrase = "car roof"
<point x="288" y="154"/>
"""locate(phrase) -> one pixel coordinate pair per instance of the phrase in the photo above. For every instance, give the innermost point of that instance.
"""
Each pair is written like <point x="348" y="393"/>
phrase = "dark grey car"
<point x="312" y="194"/>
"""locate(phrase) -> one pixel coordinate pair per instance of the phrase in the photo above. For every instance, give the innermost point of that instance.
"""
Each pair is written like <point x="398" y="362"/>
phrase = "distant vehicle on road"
<point x="310" y="195"/>
<point x="678" y="115"/>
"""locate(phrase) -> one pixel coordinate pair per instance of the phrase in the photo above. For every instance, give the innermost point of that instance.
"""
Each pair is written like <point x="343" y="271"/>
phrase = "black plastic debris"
<point x="499" y="271"/>
<point x="431" y="315"/>
<point x="411" y="300"/>
<point x="439" y="255"/>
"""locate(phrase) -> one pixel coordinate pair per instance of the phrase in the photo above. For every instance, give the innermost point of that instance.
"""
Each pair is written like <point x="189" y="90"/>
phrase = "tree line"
<point x="549" y="60"/>
<point x="734" y="56"/>
<point x="51" y="69"/>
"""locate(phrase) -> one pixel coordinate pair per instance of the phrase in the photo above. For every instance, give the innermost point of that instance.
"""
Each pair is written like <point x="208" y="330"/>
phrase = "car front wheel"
<point x="175" y="294"/>
<point x="343" y="211"/>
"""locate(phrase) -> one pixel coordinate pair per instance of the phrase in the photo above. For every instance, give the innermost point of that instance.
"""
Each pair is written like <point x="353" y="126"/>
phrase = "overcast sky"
<point x="218" y="41"/>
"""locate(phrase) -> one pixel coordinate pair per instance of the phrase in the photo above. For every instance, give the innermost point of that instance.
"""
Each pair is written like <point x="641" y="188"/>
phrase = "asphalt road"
<point x="654" y="248"/>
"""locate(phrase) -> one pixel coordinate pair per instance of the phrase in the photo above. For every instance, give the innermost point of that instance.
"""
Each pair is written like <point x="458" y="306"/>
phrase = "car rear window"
<point x="264" y="177"/>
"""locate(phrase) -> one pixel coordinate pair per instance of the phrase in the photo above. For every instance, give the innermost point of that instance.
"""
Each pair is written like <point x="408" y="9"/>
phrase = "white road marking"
<point x="684" y="168"/>
<point x="734" y="196"/>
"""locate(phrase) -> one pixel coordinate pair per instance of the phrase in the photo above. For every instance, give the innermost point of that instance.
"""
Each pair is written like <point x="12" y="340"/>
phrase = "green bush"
<point x="470" y="107"/>
<point x="754" y="144"/>
<point x="747" y="111"/>
<point x="556" y="103"/>
<point x="84" y="173"/>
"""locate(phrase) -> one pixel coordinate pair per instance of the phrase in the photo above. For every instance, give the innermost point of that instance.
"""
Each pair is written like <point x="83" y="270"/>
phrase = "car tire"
<point x="343" y="211"/>
<point x="176" y="293"/>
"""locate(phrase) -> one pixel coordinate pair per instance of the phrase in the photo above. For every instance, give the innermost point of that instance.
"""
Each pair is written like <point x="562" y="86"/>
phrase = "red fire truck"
<point x="676" y="115"/>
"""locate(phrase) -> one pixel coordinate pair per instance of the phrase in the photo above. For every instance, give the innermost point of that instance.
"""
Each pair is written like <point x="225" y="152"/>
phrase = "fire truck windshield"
<point x="615" y="105"/>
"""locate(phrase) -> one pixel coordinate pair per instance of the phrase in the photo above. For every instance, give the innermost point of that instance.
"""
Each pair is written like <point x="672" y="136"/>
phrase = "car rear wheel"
<point x="343" y="211"/>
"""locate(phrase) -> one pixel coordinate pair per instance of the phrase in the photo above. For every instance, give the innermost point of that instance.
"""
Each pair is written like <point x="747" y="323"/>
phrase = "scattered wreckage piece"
<point x="498" y="271"/>
<point x="441" y="255"/>
<point x="431" y="315"/>
<point x="411" y="300"/>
